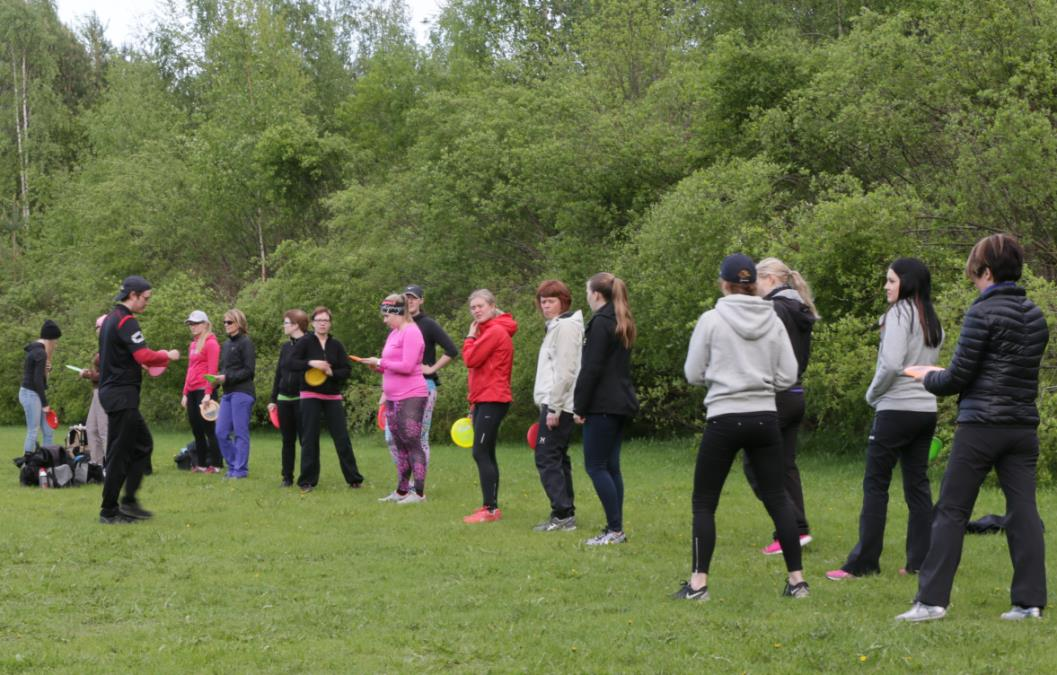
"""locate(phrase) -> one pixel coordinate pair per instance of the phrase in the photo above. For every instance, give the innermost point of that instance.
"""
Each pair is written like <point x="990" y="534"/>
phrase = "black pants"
<point x="486" y="420"/>
<point x="552" y="462"/>
<point x="1014" y="453"/>
<point x="128" y="449"/>
<point x="896" y="436"/>
<point x="312" y="409"/>
<point x="290" y="428"/>
<point x="790" y="405"/>
<point x="758" y="435"/>
<point x="207" y="452"/>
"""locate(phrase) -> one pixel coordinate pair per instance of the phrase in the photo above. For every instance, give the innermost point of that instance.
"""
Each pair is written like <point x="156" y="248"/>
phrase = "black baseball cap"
<point x="415" y="291"/>
<point x="738" y="268"/>
<point x="132" y="284"/>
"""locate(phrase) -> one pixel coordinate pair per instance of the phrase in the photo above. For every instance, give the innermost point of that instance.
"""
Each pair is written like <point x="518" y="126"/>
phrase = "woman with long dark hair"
<point x="995" y="372"/>
<point x="488" y="352"/>
<point x="904" y="423"/>
<point x="604" y="397"/>
<point x="741" y="352"/>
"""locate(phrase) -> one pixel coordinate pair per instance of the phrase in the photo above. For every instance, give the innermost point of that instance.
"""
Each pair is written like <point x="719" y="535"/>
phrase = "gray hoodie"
<point x="559" y="362"/>
<point x="740" y="350"/>
<point x="902" y="345"/>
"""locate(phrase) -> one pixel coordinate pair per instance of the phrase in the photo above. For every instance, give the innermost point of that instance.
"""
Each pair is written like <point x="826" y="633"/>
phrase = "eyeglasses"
<point x="288" y="323"/>
<point x="321" y="320"/>
<point x="228" y="322"/>
<point x="195" y="323"/>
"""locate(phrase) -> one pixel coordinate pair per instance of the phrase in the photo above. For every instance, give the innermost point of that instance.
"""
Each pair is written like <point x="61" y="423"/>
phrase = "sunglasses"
<point x="228" y="322"/>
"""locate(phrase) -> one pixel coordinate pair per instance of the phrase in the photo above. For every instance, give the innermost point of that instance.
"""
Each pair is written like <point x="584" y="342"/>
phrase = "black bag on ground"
<point x="185" y="459"/>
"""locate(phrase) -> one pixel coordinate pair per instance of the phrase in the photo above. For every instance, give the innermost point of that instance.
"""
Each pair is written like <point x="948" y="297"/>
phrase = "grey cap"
<point x="197" y="316"/>
<point x="415" y="291"/>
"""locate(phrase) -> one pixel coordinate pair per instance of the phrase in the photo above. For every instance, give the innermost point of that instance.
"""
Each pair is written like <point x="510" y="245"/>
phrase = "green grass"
<point x="245" y="577"/>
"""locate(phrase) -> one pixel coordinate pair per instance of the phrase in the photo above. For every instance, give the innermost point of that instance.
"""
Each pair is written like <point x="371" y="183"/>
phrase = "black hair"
<point x="915" y="286"/>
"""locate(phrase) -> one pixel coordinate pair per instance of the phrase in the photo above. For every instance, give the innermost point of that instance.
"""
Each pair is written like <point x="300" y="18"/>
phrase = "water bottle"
<point x="43" y="478"/>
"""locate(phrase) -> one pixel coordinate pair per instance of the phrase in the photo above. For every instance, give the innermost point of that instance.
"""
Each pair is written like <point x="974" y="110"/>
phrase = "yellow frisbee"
<point x="315" y="377"/>
<point x="462" y="432"/>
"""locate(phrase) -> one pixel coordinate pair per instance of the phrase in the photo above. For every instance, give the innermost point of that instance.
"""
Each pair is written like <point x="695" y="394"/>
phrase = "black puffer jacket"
<point x="995" y="368"/>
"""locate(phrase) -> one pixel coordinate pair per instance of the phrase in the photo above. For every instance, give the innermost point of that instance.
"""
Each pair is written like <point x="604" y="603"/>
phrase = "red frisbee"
<point x="52" y="419"/>
<point x="155" y="371"/>
<point x="533" y="435"/>
<point x="273" y="415"/>
<point x="381" y="417"/>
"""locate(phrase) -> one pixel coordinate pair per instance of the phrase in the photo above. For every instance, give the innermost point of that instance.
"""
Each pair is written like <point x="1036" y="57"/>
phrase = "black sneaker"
<point x="286" y="483"/>
<point x="306" y="488"/>
<point x="134" y="510"/>
<point x="688" y="593"/>
<point x="796" y="591"/>
<point x="117" y="519"/>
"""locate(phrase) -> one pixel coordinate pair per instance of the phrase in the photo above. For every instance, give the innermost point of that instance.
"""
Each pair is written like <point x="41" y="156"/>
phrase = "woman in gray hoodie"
<point x="740" y="350"/>
<point x="904" y="423"/>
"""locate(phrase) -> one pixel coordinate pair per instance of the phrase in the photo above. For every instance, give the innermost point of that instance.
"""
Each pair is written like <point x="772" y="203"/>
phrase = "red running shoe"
<point x="483" y="515"/>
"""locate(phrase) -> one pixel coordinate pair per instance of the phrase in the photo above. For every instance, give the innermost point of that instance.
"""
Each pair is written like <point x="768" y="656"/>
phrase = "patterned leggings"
<point x="427" y="422"/>
<point x="404" y="419"/>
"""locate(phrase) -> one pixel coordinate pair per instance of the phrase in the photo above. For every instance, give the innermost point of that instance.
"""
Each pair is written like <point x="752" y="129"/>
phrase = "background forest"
<point x="268" y="154"/>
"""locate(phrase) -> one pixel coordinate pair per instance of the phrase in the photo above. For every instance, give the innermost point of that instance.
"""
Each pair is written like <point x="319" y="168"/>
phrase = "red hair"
<point x="552" y="288"/>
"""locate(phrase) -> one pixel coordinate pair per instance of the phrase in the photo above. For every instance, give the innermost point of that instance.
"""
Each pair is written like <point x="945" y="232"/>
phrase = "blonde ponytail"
<point x="773" y="267"/>
<point x="615" y="291"/>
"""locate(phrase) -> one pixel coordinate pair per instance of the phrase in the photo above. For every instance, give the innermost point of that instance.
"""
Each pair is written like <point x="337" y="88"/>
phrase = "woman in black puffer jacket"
<point x="995" y="372"/>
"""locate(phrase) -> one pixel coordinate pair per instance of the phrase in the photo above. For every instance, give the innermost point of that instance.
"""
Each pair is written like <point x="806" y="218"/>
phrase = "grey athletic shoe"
<point x="556" y="524"/>
<point x="688" y="593"/>
<point x="118" y="519"/>
<point x="393" y="496"/>
<point x="1018" y="613"/>
<point x="412" y="498"/>
<point x="607" y="537"/>
<point x="798" y="591"/>
<point x="922" y="612"/>
<point x="134" y="510"/>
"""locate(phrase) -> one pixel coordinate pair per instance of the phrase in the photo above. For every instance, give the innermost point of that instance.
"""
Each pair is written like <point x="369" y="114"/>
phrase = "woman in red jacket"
<point x="488" y="352"/>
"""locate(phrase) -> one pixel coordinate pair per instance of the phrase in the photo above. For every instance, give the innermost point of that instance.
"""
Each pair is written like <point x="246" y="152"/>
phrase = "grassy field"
<point x="243" y="576"/>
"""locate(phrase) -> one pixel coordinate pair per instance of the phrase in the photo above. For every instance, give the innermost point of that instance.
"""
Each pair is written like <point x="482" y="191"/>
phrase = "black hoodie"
<point x="798" y="321"/>
<point x="33" y="371"/>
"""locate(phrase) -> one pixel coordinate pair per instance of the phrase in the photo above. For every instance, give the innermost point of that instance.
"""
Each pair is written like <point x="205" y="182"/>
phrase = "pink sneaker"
<point x="839" y="575"/>
<point x="775" y="548"/>
<point x="211" y="469"/>
<point x="483" y="515"/>
<point x="198" y="469"/>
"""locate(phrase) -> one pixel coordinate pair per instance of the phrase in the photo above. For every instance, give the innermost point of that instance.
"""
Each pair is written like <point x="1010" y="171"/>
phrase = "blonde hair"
<point x="773" y="267"/>
<point x="486" y="295"/>
<point x="239" y="318"/>
<point x="399" y="300"/>
<point x="200" y="341"/>
<point x="613" y="290"/>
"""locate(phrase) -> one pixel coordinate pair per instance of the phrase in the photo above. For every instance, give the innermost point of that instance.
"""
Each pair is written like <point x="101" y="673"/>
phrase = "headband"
<point x="392" y="307"/>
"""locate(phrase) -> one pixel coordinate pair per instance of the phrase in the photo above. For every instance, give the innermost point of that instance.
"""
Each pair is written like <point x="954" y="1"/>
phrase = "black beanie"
<point x="50" y="331"/>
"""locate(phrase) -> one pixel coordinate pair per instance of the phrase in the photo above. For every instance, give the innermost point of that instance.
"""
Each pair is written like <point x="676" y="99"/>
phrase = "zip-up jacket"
<point x="489" y="357"/>
<point x="995" y="367"/>
<point x="799" y="323"/>
<point x="308" y="349"/>
<point x="288" y="381"/>
<point x="559" y="362"/>
<point x="238" y="364"/>
<point x="33" y="370"/>
<point x="201" y="362"/>
<point x="604" y="383"/>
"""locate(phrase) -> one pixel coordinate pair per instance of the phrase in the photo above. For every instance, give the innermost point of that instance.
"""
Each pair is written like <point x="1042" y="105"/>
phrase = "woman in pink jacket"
<point x="404" y="391"/>
<point x="202" y="357"/>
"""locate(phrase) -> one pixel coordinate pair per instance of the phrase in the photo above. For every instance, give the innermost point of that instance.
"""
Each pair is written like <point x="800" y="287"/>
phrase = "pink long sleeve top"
<point x="200" y="363"/>
<point x="401" y="364"/>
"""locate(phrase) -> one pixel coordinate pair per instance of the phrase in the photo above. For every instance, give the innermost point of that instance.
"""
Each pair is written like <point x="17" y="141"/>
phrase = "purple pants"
<point x="234" y="420"/>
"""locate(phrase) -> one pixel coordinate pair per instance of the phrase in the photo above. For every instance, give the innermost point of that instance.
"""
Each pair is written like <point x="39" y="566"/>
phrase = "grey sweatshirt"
<point x="741" y="352"/>
<point x="559" y="362"/>
<point x="902" y="345"/>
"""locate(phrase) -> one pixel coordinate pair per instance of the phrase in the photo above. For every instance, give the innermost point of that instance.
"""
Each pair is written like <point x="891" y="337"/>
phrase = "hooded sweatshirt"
<point x="559" y="362"/>
<point x="799" y="322"/>
<point x="489" y="357"/>
<point x="741" y="352"/>
<point x="33" y="369"/>
<point x="902" y="345"/>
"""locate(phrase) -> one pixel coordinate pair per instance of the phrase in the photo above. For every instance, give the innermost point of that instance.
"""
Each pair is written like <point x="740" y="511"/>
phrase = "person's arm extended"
<point x="972" y="345"/>
<point x="150" y="357"/>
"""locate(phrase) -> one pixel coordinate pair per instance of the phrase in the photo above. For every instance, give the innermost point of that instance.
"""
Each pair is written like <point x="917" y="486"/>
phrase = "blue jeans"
<point x="234" y="420"/>
<point x="35" y="419"/>
<point x="602" y="437"/>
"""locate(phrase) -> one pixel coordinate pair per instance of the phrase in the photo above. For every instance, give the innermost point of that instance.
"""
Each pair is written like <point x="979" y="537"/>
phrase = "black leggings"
<point x="486" y="420"/>
<point x="290" y="428"/>
<point x="756" y="433"/>
<point x="790" y="405"/>
<point x="207" y="452"/>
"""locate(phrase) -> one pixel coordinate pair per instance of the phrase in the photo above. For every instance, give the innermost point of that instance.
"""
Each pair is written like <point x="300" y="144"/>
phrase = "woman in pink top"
<point x="202" y="358"/>
<point x="404" y="391"/>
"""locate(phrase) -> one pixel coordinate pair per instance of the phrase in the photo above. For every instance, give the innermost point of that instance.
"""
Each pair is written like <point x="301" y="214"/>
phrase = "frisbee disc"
<point x="935" y="448"/>
<point x="155" y="371"/>
<point x="210" y="410"/>
<point x="381" y="417"/>
<point x="315" y="377"/>
<point x="52" y="419"/>
<point x="533" y="435"/>
<point x="357" y="359"/>
<point x="273" y="415"/>
<point x="462" y="432"/>
<point x="74" y="369"/>
<point x="211" y="379"/>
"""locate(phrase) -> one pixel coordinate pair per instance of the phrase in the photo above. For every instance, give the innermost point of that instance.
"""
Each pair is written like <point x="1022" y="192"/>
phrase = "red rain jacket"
<point x="490" y="358"/>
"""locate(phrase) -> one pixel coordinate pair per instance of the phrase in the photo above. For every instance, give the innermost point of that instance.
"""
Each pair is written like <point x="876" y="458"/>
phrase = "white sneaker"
<point x="607" y="537"/>
<point x="393" y="496"/>
<point x="412" y="498"/>
<point x="922" y="612"/>
<point x="1018" y="613"/>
